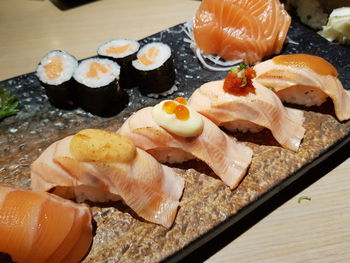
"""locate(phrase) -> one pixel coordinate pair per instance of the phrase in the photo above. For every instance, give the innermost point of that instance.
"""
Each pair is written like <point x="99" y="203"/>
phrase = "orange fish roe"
<point x="118" y="49"/>
<point x="182" y="113"/>
<point x="54" y="68"/>
<point x="169" y="107"/>
<point x="94" y="68"/>
<point x="149" y="57"/>
<point x="181" y="100"/>
<point x="238" y="81"/>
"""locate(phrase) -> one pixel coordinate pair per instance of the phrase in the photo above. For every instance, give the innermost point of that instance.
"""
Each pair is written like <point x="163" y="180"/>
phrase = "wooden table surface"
<point x="310" y="231"/>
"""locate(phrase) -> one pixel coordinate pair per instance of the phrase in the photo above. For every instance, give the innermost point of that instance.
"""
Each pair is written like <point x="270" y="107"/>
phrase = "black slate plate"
<point x="37" y="117"/>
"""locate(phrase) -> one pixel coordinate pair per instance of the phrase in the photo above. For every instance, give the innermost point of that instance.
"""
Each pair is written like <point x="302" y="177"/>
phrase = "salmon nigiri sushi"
<point x="40" y="227"/>
<point x="99" y="165"/>
<point x="306" y="80"/>
<point x="246" y="30"/>
<point x="174" y="133"/>
<point x="241" y="103"/>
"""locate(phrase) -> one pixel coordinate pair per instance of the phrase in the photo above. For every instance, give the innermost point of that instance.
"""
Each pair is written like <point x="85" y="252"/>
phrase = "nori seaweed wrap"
<point x="98" y="89"/>
<point x="55" y="72"/>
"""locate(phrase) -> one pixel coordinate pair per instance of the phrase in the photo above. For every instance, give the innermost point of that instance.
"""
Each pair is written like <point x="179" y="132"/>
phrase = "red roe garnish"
<point x="238" y="81"/>
<point x="169" y="107"/>
<point x="250" y="74"/>
<point x="181" y="100"/>
<point x="182" y="113"/>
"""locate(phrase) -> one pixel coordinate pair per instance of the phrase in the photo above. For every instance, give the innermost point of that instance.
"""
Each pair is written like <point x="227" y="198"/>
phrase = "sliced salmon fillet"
<point x="263" y="109"/>
<point x="241" y="29"/>
<point x="40" y="227"/>
<point x="309" y="83"/>
<point x="152" y="190"/>
<point x="223" y="154"/>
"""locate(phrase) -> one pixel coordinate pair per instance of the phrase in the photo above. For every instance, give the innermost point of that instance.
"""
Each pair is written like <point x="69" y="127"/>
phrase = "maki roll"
<point x="155" y="70"/>
<point x="98" y="89"/>
<point x="55" y="72"/>
<point x="122" y="51"/>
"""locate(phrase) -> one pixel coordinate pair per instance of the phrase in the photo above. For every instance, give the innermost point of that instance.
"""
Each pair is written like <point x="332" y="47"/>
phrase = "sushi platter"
<point x="207" y="206"/>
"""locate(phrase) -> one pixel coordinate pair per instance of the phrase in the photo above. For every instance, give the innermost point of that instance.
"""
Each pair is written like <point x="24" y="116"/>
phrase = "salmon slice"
<point x="306" y="80"/>
<point x="262" y="109"/>
<point x="241" y="29"/>
<point x="149" y="57"/>
<point x="94" y="70"/>
<point x="224" y="155"/>
<point x="149" y="188"/>
<point x="118" y="49"/>
<point x="37" y="227"/>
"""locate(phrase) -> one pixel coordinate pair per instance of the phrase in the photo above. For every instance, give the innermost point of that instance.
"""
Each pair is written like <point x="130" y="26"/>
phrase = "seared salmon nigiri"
<point x="306" y="80"/>
<point x="40" y="227"/>
<point x="241" y="103"/>
<point x="173" y="133"/>
<point x="99" y="165"/>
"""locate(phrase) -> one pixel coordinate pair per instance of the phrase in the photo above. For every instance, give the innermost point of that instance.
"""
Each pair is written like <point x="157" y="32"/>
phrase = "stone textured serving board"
<point x="207" y="206"/>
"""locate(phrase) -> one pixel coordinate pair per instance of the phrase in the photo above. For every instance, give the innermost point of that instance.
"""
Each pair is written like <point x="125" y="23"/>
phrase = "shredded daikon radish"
<point x="216" y="60"/>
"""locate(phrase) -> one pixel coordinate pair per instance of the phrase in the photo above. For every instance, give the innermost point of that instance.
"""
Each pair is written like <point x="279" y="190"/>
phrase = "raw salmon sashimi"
<point x="306" y="80"/>
<point x="241" y="29"/>
<point x="40" y="227"/>
<point x="223" y="154"/>
<point x="250" y="112"/>
<point x="99" y="166"/>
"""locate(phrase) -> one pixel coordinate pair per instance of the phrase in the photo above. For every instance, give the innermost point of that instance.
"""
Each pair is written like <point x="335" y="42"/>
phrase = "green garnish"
<point x="272" y="89"/>
<point x="235" y="70"/>
<point x="239" y="68"/>
<point x="242" y="66"/>
<point x="8" y="103"/>
<point x="240" y="71"/>
<point x="303" y="198"/>
<point x="244" y="81"/>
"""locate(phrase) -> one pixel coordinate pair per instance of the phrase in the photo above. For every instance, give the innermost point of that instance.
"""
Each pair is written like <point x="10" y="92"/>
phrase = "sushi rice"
<point x="101" y="78"/>
<point x="163" y="55"/>
<point x="118" y="48"/>
<point x="69" y="65"/>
